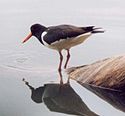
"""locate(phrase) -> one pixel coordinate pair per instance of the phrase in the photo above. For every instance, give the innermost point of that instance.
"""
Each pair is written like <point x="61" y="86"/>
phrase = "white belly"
<point x="69" y="42"/>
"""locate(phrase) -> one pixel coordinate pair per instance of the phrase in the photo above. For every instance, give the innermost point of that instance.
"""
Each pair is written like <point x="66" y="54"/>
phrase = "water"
<point x="38" y="65"/>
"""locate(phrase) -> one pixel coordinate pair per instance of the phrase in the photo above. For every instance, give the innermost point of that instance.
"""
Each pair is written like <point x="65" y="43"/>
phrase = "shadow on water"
<point x="60" y="98"/>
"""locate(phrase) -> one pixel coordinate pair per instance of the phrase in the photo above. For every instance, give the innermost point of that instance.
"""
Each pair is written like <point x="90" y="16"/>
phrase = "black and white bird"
<point x="61" y="37"/>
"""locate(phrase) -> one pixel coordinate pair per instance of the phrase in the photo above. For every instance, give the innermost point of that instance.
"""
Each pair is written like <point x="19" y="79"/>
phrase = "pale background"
<point x="38" y="64"/>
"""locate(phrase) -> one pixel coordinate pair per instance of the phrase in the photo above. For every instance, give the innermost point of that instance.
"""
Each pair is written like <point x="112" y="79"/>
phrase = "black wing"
<point x="57" y="33"/>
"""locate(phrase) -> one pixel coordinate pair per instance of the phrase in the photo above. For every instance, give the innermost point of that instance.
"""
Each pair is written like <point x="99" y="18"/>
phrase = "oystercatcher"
<point x="61" y="37"/>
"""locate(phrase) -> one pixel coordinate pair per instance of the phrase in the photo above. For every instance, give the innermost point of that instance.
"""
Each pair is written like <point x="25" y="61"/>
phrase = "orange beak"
<point x="27" y="38"/>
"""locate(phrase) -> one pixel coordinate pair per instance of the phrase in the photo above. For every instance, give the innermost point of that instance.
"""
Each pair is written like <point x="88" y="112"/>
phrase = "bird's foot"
<point x="61" y="82"/>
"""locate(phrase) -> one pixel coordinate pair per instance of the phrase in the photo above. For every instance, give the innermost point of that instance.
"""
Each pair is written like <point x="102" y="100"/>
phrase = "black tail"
<point x="92" y="29"/>
<point x="98" y="30"/>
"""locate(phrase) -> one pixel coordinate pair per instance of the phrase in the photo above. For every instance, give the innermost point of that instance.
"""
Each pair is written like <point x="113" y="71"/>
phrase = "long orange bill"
<point x="27" y="38"/>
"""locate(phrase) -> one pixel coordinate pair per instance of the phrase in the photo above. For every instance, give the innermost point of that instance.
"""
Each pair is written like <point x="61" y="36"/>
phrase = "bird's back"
<point x="55" y="33"/>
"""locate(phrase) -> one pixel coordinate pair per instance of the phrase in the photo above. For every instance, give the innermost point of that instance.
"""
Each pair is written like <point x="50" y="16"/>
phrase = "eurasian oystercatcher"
<point x="61" y="37"/>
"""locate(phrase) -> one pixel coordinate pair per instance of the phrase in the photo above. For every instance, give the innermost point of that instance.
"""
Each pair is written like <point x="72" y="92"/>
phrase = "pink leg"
<point x="61" y="59"/>
<point x="60" y="65"/>
<point x="68" y="57"/>
<point x="61" y="78"/>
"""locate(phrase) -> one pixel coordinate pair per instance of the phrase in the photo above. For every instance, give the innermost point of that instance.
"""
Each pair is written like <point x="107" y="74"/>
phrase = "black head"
<point x="36" y="30"/>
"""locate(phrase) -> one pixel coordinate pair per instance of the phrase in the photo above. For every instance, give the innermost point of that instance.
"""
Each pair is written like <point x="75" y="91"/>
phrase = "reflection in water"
<point x="116" y="97"/>
<point x="60" y="98"/>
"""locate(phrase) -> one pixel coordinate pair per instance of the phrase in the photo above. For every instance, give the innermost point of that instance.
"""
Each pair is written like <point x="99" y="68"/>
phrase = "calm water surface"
<point x="38" y="65"/>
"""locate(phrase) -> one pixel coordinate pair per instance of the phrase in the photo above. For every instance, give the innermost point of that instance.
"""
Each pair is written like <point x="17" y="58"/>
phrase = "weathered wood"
<point x="106" y="78"/>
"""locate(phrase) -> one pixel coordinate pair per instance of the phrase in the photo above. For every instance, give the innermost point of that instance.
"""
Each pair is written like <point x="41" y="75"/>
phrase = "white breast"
<point x="66" y="43"/>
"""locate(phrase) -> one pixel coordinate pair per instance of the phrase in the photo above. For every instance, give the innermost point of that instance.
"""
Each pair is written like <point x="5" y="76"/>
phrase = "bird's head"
<point x="36" y="30"/>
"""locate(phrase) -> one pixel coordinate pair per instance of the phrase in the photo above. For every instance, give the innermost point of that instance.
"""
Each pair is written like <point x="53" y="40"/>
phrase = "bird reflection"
<point x="60" y="98"/>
